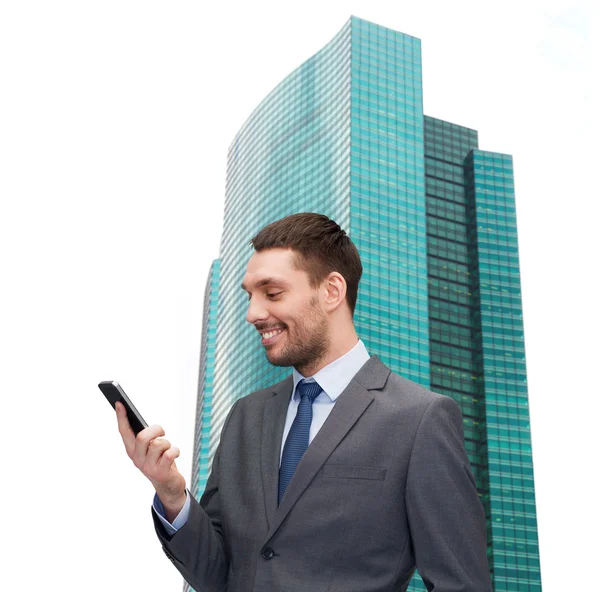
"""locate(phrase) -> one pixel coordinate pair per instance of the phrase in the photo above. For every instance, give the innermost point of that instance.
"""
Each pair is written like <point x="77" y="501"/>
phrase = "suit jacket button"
<point x="268" y="553"/>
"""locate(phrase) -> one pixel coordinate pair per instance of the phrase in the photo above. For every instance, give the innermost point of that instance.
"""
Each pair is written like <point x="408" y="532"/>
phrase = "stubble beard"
<point x="308" y="344"/>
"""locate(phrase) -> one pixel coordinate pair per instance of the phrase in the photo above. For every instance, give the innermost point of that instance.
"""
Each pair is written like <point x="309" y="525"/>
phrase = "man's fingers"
<point x="155" y="450"/>
<point x="151" y="454"/>
<point x="142" y="442"/>
<point x="159" y="460"/>
<point x="166" y="460"/>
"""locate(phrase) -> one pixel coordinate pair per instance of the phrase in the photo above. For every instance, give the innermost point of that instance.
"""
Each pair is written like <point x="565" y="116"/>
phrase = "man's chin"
<point x="277" y="360"/>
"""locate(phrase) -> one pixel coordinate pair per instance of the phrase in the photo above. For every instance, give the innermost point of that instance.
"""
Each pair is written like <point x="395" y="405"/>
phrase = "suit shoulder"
<point x="396" y="390"/>
<point x="420" y="405"/>
<point x="405" y="391"/>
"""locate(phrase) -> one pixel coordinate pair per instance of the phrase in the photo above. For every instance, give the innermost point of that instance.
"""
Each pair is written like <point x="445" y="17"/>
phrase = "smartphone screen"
<point x="113" y="392"/>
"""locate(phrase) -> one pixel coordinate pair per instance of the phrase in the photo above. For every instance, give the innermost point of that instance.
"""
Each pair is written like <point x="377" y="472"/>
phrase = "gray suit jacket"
<point x="384" y="486"/>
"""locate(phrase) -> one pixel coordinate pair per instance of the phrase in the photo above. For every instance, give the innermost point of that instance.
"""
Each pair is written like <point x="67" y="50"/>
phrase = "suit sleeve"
<point x="181" y="518"/>
<point x="198" y="549"/>
<point x="446" y="517"/>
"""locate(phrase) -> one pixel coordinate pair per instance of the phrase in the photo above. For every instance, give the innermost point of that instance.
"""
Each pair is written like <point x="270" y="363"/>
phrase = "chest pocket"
<point x="352" y="472"/>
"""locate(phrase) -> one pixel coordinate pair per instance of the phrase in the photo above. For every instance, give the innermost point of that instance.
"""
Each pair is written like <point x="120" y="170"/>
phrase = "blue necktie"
<point x="297" y="440"/>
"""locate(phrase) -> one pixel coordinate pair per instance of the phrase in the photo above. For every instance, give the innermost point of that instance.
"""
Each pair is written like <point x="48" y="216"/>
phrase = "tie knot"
<point x="309" y="389"/>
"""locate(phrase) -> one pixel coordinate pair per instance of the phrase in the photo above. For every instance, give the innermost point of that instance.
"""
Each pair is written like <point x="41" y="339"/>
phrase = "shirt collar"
<point x="335" y="377"/>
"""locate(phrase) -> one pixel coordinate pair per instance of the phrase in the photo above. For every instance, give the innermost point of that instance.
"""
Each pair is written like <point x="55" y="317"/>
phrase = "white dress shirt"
<point x="333" y="379"/>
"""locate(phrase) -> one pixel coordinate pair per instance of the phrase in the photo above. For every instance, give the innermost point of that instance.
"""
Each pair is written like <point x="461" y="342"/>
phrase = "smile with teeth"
<point x="271" y="334"/>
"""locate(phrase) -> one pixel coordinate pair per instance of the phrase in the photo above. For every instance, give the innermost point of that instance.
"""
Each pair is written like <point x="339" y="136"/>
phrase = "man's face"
<point x="285" y="310"/>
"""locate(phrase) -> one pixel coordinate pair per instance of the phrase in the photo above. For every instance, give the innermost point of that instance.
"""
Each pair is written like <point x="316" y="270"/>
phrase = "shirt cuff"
<point x="181" y="518"/>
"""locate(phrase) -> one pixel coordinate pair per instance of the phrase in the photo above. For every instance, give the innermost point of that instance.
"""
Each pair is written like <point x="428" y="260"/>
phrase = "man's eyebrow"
<point x="265" y="281"/>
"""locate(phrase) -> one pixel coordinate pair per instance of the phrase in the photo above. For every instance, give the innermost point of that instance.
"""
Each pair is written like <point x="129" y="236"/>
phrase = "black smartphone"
<point x="113" y="392"/>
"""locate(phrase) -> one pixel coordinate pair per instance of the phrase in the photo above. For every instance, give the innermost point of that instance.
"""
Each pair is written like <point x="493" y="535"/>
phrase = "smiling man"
<point x="342" y="477"/>
<point x="302" y="304"/>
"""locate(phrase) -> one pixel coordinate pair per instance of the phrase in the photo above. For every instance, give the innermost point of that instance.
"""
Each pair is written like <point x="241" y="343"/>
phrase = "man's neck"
<point x="333" y="354"/>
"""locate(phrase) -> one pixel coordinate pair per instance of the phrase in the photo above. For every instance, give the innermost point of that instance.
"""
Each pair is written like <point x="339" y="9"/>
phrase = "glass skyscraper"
<point x="433" y="218"/>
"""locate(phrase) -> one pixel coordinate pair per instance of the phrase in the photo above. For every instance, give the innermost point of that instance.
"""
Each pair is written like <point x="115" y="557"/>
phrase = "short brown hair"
<point x="320" y="247"/>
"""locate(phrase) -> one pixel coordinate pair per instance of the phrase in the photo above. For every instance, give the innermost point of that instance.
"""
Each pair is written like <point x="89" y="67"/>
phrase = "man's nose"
<point x="256" y="311"/>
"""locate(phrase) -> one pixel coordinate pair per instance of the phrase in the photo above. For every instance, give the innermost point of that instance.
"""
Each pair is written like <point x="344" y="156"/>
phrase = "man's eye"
<point x="273" y="294"/>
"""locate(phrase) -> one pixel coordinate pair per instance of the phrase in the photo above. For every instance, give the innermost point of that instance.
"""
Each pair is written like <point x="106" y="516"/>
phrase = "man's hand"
<point x="155" y="458"/>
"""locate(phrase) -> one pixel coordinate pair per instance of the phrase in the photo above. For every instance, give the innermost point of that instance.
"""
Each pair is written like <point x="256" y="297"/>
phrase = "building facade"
<point x="433" y="218"/>
<point x="202" y="452"/>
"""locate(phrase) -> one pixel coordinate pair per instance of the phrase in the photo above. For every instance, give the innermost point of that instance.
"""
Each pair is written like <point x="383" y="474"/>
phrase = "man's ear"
<point x="335" y="291"/>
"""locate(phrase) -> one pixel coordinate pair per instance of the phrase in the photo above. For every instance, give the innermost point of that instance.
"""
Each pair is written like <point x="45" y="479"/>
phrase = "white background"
<point x="115" y="119"/>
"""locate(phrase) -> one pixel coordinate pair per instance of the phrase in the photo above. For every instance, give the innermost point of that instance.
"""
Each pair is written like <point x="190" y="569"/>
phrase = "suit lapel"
<point x="274" y="414"/>
<point x="350" y="405"/>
